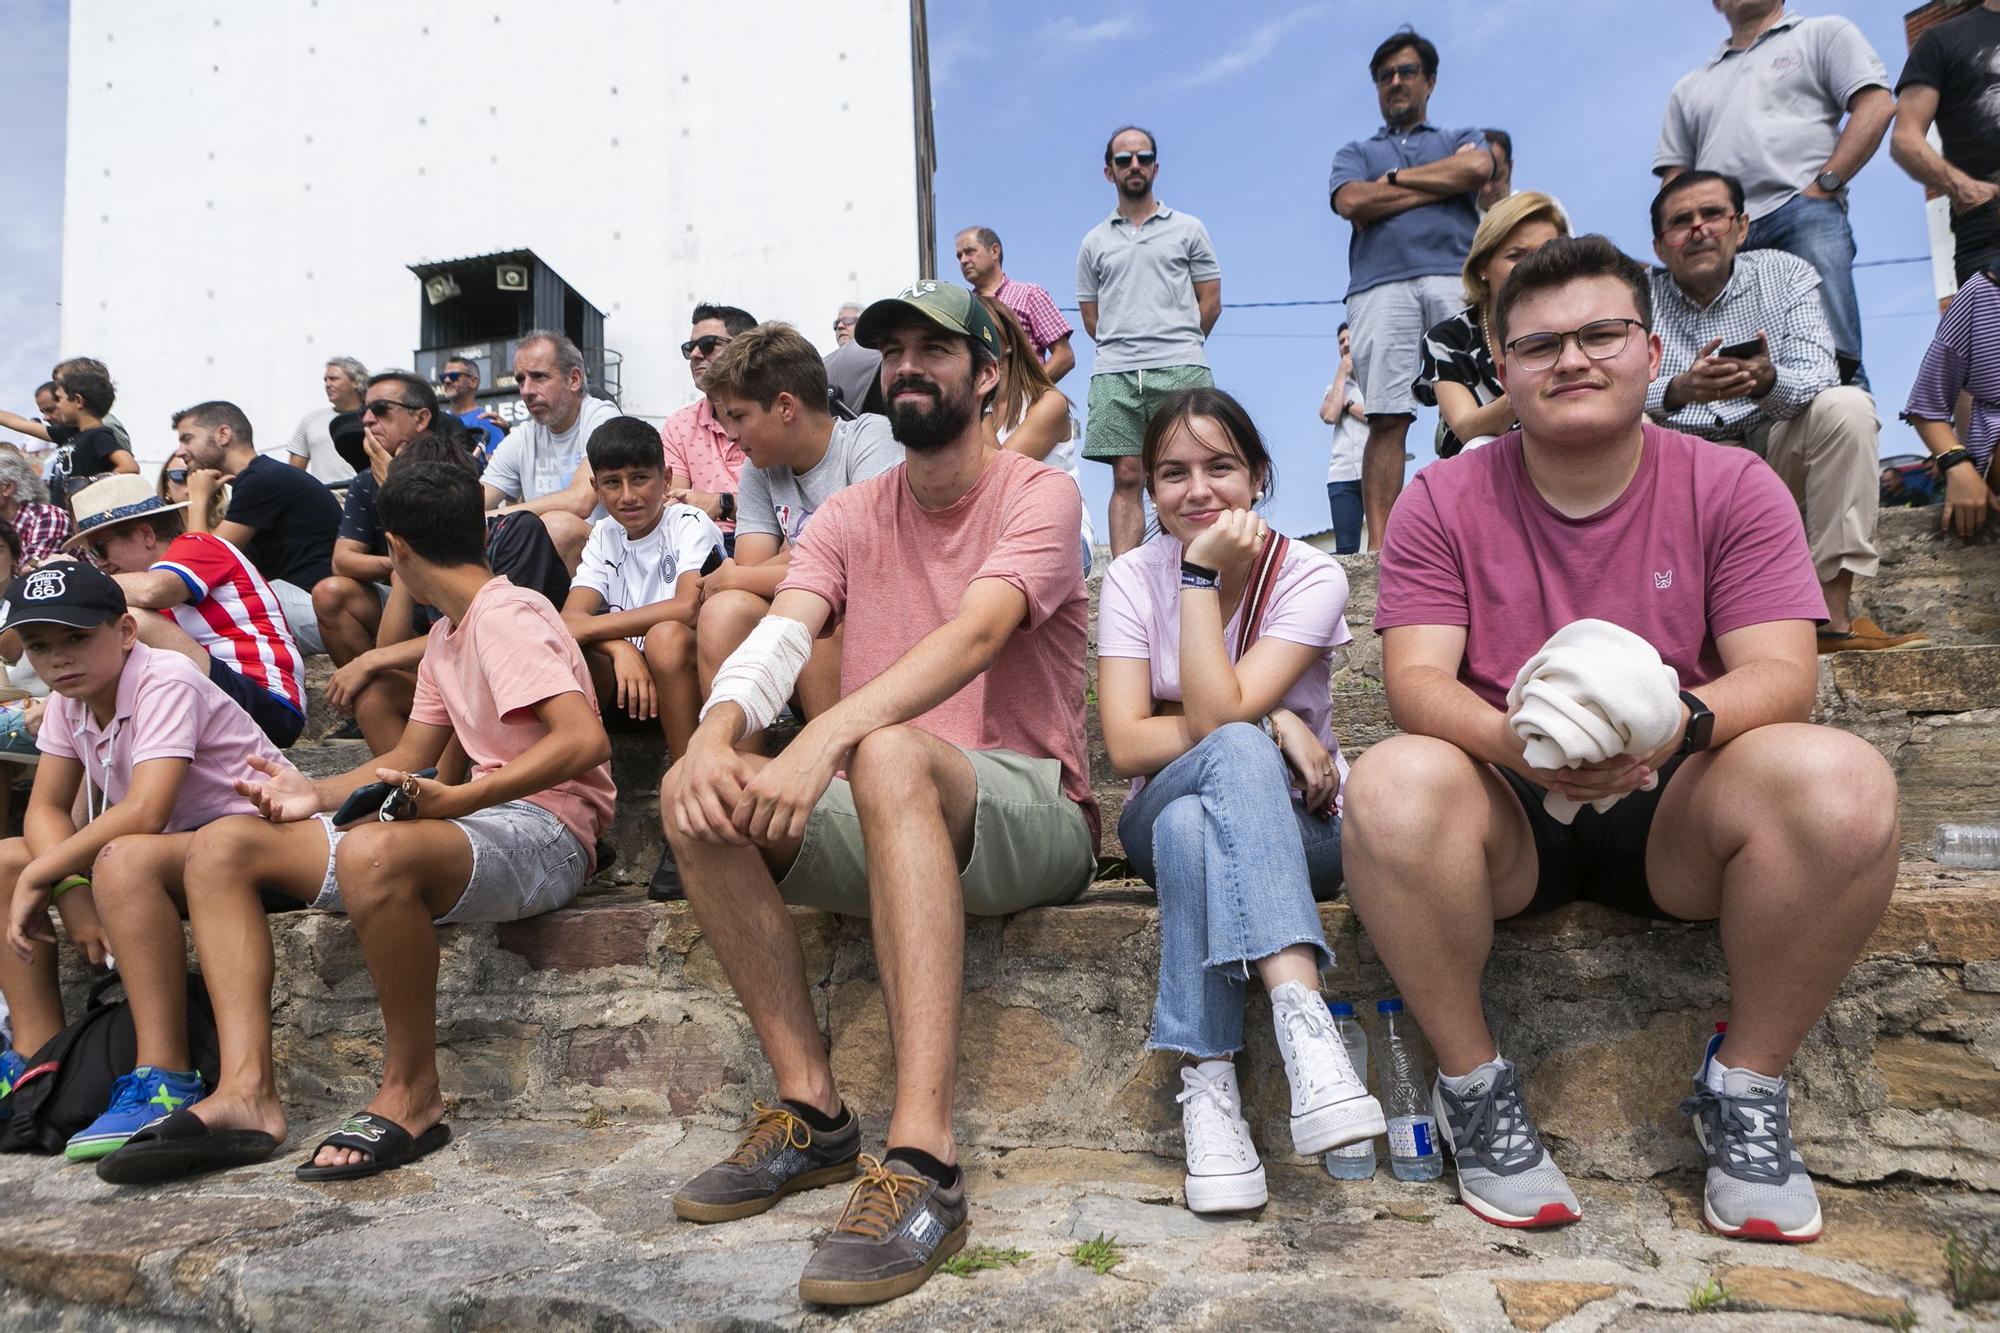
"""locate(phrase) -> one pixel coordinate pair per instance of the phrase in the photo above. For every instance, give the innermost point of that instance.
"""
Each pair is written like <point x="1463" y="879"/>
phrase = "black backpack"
<point x="68" y="1082"/>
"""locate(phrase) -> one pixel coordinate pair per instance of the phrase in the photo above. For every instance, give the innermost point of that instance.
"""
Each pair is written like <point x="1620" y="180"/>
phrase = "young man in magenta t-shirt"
<point x="1784" y="832"/>
<point x="516" y="839"/>
<point x="958" y="577"/>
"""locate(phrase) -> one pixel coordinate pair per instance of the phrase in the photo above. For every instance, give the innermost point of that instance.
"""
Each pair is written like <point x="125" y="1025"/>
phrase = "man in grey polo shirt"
<point x="1766" y="109"/>
<point x="1149" y="290"/>
<point x="1411" y="191"/>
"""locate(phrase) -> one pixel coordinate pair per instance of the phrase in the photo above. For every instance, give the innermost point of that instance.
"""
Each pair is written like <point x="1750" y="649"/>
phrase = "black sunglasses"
<point x="177" y="475"/>
<point x="1390" y="73"/>
<point x="380" y="407"/>
<point x="453" y="377"/>
<point x="706" y="345"/>
<point x="1122" y="160"/>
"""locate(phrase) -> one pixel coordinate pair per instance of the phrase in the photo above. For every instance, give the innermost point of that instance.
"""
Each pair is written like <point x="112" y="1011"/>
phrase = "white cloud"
<point x="1067" y="37"/>
<point x="1253" y="50"/>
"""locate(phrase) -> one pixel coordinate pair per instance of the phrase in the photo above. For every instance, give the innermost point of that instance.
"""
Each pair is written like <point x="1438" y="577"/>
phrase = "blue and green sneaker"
<point x="138" y="1099"/>
<point x="12" y="1066"/>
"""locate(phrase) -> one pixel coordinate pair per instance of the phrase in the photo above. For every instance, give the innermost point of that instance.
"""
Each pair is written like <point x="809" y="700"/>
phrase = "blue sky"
<point x="1249" y="113"/>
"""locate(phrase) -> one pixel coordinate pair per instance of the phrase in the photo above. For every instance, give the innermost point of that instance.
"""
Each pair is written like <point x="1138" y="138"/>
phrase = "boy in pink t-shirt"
<point x="158" y="748"/>
<point x="1785" y="832"/>
<point x="515" y="839"/>
<point x="960" y="726"/>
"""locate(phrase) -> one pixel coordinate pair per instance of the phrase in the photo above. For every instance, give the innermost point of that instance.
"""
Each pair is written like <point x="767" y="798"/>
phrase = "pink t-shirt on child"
<point x="897" y="571"/>
<point x="483" y="678"/>
<point x="167" y="709"/>
<point x="1139" y="616"/>
<point x="1705" y="540"/>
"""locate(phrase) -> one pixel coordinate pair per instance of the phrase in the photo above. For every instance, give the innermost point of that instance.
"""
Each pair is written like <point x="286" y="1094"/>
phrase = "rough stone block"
<point x="584" y="936"/>
<point x="681" y="1062"/>
<point x="1924" y="1075"/>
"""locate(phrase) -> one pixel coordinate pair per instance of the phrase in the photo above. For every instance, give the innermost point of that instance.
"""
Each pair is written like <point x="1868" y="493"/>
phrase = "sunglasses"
<point x="453" y="377"/>
<point x="845" y="322"/>
<point x="381" y="407"/>
<point x="1408" y="73"/>
<point x="706" y="345"/>
<point x="177" y="475"/>
<point x="1123" y="160"/>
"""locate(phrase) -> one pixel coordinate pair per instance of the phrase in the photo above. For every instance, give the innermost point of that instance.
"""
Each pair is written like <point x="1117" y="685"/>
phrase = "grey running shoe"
<point x="1757" y="1186"/>
<point x="1504" y="1173"/>
<point x="899" y="1225"/>
<point x="780" y="1154"/>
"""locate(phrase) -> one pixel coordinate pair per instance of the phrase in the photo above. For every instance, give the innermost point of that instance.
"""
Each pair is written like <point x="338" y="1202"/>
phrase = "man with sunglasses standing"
<point x="1149" y="290"/>
<point x="540" y="466"/>
<point x="702" y="461"/>
<point x="1784" y="832"/>
<point x="461" y="387"/>
<point x="1748" y="359"/>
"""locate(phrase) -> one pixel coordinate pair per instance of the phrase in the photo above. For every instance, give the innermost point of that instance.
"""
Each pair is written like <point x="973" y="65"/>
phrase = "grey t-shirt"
<point x="777" y="501"/>
<point x="1770" y="116"/>
<point x="1142" y="281"/>
<point x="534" y="461"/>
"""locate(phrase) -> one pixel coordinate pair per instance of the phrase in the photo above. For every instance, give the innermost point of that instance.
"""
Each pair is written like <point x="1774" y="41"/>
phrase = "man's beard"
<point x="928" y="429"/>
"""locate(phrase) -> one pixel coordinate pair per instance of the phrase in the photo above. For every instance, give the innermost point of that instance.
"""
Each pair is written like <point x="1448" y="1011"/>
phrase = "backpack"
<point x="68" y="1082"/>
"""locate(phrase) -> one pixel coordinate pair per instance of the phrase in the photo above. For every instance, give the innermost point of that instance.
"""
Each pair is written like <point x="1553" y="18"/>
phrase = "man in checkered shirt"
<point x="979" y="258"/>
<point x="1748" y="360"/>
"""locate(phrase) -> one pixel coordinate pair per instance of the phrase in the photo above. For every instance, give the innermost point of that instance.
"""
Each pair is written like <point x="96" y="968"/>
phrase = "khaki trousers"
<point x="1827" y="458"/>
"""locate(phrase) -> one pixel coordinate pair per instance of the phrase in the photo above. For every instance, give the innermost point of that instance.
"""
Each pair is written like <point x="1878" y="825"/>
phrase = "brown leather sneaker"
<point x="1866" y="636"/>
<point x="897" y="1228"/>
<point x="780" y="1154"/>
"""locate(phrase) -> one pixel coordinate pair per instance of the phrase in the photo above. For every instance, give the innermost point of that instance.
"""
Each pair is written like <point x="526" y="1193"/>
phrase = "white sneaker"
<point x="1330" y="1104"/>
<point x="1223" y="1173"/>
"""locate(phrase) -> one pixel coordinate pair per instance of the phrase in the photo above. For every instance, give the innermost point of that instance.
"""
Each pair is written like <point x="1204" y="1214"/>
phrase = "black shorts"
<point x="273" y="716"/>
<point x="1599" y="858"/>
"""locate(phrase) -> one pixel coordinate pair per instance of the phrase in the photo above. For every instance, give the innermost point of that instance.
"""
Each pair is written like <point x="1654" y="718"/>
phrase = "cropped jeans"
<point x="1816" y="230"/>
<point x="1237" y="864"/>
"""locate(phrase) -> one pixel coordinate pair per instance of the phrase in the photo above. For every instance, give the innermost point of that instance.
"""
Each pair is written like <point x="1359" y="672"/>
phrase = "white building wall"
<point x="247" y="179"/>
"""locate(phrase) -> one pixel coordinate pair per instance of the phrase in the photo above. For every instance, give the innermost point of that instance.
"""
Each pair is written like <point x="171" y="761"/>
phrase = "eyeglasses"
<point x="177" y="475"/>
<point x="1123" y="160"/>
<point x="1600" y="340"/>
<point x="1681" y="227"/>
<point x="453" y="377"/>
<point x="706" y="345"/>
<point x="845" y="322"/>
<point x="381" y="407"/>
<point x="1389" y="74"/>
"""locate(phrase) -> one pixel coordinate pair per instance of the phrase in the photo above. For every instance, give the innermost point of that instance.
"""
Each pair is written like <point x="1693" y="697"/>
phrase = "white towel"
<point x="1594" y="690"/>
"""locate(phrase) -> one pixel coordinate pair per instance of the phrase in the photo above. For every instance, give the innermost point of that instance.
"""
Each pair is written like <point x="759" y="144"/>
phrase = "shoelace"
<point x="1214" y="1114"/>
<point x="767" y="1129"/>
<point x="1494" y="1128"/>
<point x="879" y="1200"/>
<point x="1316" y="1046"/>
<point x="1752" y="1135"/>
<point x="125" y="1095"/>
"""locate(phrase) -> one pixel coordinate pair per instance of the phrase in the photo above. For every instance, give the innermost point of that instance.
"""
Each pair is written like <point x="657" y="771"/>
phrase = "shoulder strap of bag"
<point x="1257" y="593"/>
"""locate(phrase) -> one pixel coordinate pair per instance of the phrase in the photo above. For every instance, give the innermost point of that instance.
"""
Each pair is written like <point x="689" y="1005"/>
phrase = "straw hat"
<point x="115" y="499"/>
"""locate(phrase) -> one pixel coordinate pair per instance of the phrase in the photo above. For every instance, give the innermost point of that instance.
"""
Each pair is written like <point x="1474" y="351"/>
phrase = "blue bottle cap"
<point x="1391" y="1006"/>
<point x="1340" y="1009"/>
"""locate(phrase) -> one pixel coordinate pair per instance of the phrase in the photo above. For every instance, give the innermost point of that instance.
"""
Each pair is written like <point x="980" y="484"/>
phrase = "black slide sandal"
<point x="180" y="1145"/>
<point x="387" y="1144"/>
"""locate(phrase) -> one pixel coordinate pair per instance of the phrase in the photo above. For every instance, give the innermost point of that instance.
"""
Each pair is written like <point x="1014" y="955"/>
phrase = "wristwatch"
<point x="1829" y="181"/>
<point x="1391" y="177"/>
<point x="727" y="504"/>
<point x="1701" y="725"/>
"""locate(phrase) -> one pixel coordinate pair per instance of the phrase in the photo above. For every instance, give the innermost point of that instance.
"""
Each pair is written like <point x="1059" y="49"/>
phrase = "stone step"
<point x="617" y="1007"/>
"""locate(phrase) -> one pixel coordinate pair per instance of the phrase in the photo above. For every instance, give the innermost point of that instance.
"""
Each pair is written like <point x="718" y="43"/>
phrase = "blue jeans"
<point x="1237" y="865"/>
<point x="1344" y="499"/>
<point x="1816" y="231"/>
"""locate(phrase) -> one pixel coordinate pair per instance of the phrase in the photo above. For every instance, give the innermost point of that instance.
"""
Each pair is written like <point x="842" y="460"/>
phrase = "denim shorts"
<point x="525" y="862"/>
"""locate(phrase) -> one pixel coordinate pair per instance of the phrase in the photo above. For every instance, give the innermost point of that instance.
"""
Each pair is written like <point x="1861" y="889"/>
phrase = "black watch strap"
<point x="728" y="506"/>
<point x="1700" y="728"/>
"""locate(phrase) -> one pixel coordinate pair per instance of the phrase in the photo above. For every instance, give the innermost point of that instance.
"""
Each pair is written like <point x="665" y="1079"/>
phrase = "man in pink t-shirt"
<point x="702" y="461"/>
<point x="960" y="726"/>
<point x="1785" y="832"/>
<point x="515" y="838"/>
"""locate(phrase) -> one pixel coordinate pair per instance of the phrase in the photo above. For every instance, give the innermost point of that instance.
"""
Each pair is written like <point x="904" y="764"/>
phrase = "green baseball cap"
<point x="944" y="304"/>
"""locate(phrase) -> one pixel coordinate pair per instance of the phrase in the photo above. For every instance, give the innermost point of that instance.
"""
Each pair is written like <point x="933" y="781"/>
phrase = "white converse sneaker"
<point x="1223" y="1173"/>
<point x="1330" y="1104"/>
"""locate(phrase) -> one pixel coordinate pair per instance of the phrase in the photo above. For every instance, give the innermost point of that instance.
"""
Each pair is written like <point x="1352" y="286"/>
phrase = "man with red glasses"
<point x="702" y="461"/>
<point x="1749" y="359"/>
<point x="1784" y="832"/>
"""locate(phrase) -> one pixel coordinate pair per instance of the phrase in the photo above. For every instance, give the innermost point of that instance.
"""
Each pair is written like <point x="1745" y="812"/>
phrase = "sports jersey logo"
<point x="44" y="585"/>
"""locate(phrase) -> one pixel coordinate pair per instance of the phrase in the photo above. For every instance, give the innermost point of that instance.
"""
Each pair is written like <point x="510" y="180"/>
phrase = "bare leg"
<point x="735" y="900"/>
<point x="1382" y="473"/>
<point x="160" y="632"/>
<point x="383" y="708"/>
<point x="136" y="882"/>
<point x="1837" y="590"/>
<point x="33" y="997"/>
<point x="349" y="613"/>
<point x="725" y="621"/>
<point x="1788" y="833"/>
<point x="670" y="654"/>
<point x="567" y="533"/>
<point x="1128" y="507"/>
<point x="819" y="683"/>
<point x="1435" y="847"/>
<point x="916" y="796"/>
<point x="1294" y="962"/>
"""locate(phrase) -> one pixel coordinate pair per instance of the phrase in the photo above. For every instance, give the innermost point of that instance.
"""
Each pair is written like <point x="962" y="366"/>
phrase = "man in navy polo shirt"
<point x="1411" y="190"/>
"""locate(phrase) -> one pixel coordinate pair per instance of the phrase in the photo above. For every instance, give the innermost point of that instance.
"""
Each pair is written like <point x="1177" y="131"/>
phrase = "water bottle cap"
<point x="1341" y="1009"/>
<point x="1388" y="1006"/>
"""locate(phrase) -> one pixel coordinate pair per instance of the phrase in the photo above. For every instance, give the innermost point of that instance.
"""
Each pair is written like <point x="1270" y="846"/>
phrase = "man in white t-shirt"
<point x="311" y="445"/>
<point x="769" y="390"/>
<point x="1342" y="409"/>
<point x="540" y="466"/>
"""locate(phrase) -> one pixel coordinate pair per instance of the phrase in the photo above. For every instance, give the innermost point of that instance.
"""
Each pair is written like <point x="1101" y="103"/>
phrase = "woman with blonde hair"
<point x="1458" y="376"/>
<point x="1030" y="415"/>
<point x="173" y="488"/>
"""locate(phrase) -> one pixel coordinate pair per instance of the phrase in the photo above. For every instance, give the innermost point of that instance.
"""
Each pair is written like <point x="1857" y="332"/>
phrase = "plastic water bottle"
<point x="1356" y="1161"/>
<point x="1413" y="1141"/>
<point x="1970" y="846"/>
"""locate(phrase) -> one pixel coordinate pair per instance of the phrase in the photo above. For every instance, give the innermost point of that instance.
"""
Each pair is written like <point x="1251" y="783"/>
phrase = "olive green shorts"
<point x="1031" y="846"/>
<point x="1121" y="401"/>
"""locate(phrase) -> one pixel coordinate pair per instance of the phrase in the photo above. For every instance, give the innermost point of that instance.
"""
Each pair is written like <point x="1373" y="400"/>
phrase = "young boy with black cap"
<point x="158" y="748"/>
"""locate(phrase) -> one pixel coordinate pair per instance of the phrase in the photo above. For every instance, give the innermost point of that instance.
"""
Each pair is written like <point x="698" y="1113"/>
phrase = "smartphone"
<point x="1742" y="351"/>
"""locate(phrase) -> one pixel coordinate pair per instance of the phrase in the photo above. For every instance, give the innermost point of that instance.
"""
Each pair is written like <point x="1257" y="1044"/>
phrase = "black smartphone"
<point x="1742" y="351"/>
<point x="365" y="801"/>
